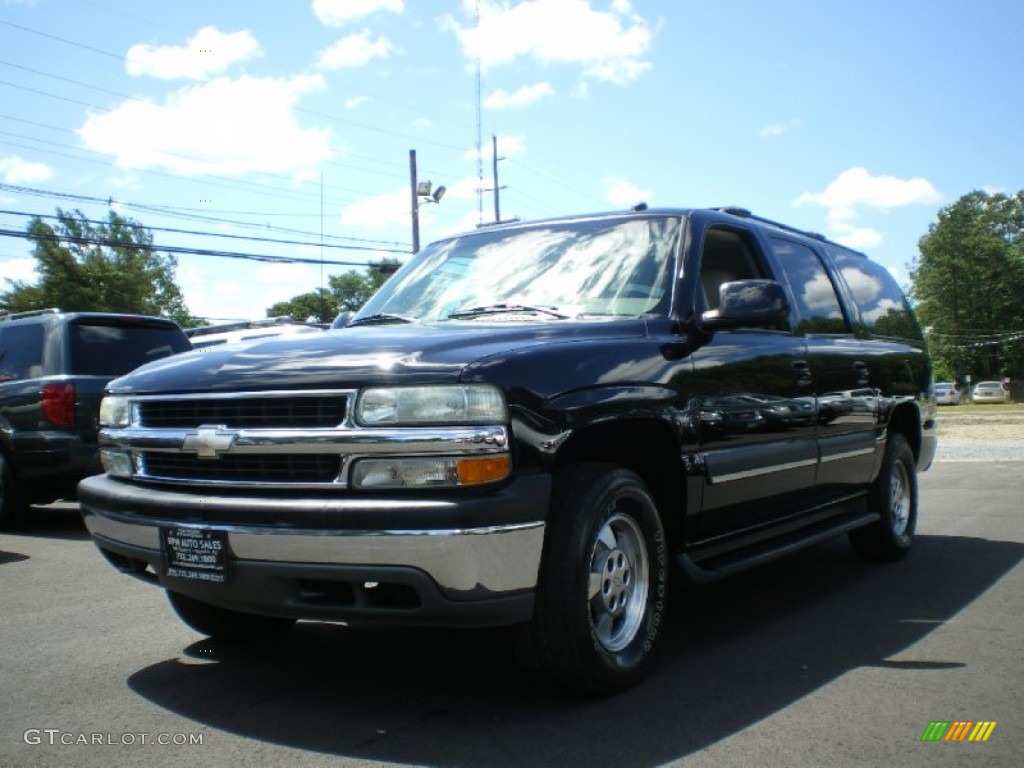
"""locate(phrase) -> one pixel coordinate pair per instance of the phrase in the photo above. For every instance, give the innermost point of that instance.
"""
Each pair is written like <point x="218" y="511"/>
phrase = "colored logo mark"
<point x="958" y="730"/>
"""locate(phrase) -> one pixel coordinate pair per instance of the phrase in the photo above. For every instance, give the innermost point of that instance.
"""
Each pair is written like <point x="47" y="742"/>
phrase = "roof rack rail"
<point x="242" y="325"/>
<point x="31" y="313"/>
<point x="746" y="214"/>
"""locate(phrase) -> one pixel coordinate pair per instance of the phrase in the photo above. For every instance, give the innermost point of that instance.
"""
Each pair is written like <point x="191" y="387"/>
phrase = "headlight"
<point x="371" y="474"/>
<point x="457" y="404"/>
<point x="117" y="463"/>
<point x="115" y="411"/>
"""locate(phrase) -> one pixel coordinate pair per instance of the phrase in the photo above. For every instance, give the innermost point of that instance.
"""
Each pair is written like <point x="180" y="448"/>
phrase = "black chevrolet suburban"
<point x="527" y="426"/>
<point x="54" y="367"/>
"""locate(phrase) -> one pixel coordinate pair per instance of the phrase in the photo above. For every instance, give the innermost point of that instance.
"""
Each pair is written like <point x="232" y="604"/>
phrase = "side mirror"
<point x="748" y="304"/>
<point x="342" y="319"/>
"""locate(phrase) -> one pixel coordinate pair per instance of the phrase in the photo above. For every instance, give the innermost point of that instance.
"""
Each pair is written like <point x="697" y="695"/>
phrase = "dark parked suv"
<point x="53" y="369"/>
<point x="526" y="426"/>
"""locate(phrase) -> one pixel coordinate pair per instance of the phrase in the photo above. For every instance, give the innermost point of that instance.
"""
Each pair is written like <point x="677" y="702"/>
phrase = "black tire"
<point x="13" y="503"/>
<point x="894" y="497"/>
<point x="225" y="624"/>
<point x="603" y="583"/>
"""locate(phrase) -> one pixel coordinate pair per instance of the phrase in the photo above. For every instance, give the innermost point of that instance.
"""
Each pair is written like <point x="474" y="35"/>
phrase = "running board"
<point x="720" y="566"/>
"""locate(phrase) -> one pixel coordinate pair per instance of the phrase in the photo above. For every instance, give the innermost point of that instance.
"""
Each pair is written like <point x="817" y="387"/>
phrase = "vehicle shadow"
<point x="60" y="520"/>
<point x="11" y="557"/>
<point x="733" y="654"/>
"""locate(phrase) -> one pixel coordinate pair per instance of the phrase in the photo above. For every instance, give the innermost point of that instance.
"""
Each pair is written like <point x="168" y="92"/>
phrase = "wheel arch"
<point x="646" y="446"/>
<point x="906" y="420"/>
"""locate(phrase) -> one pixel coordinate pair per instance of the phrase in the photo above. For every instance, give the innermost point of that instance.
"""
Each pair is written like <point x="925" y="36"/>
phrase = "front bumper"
<point x="469" y="560"/>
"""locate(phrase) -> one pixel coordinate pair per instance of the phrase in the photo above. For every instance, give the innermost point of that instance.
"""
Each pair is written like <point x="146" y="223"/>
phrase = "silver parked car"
<point x="989" y="392"/>
<point x="947" y="393"/>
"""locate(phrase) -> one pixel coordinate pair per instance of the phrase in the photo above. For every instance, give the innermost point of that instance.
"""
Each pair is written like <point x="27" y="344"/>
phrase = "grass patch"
<point x="982" y="407"/>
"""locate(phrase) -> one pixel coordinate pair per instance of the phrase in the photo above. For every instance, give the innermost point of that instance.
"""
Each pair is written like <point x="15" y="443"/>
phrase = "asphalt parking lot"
<point x="818" y="660"/>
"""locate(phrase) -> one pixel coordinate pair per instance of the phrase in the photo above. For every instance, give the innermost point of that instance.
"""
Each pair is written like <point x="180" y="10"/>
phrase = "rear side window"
<point x="21" y="352"/>
<point x="813" y="291"/>
<point x="884" y="309"/>
<point x="113" y="349"/>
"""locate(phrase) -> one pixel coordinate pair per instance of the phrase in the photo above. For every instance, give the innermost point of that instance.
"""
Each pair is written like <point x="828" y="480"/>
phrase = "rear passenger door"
<point x="841" y="371"/>
<point x="756" y="427"/>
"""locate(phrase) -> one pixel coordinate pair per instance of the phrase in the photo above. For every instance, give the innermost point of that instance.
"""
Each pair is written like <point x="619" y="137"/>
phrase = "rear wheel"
<point x="603" y="579"/>
<point x="894" y="497"/>
<point x="225" y="624"/>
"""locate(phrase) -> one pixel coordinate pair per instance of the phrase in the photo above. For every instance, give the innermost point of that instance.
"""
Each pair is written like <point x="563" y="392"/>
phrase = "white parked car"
<point x="989" y="392"/>
<point x="947" y="393"/>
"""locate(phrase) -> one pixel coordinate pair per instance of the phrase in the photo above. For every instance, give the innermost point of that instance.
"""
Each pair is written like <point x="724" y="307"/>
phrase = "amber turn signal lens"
<point x="483" y="470"/>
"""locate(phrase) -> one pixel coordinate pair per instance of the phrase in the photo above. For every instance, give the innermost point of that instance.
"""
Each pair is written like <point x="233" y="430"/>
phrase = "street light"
<point x="421" y="193"/>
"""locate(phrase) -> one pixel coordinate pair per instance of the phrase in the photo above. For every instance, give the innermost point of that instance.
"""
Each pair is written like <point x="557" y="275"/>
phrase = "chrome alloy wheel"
<point x="619" y="582"/>
<point x="900" y="500"/>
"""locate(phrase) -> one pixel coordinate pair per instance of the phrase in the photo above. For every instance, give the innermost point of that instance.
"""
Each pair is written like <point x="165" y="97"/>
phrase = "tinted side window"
<point x="21" y="352"/>
<point x="813" y="291"/>
<point x="883" y="307"/>
<point x="113" y="350"/>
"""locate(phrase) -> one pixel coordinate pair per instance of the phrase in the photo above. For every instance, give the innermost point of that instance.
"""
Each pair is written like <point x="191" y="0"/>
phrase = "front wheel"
<point x="894" y="497"/>
<point x="601" y="595"/>
<point x="225" y="624"/>
<point x="13" y="504"/>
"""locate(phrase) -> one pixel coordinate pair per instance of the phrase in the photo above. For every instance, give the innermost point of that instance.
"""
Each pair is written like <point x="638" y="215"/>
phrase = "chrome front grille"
<point x="246" y="469"/>
<point x="291" y="410"/>
<point x="302" y="439"/>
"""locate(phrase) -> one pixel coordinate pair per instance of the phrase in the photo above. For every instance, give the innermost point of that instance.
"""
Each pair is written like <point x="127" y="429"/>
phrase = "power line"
<point x="100" y="51"/>
<point x="175" y="249"/>
<point x="195" y="232"/>
<point x="174" y="212"/>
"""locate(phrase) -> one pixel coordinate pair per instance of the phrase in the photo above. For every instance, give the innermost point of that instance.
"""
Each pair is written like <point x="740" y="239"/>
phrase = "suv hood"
<point x="407" y="354"/>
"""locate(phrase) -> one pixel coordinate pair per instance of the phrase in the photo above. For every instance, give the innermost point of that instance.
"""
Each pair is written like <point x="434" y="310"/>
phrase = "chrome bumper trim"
<point x="463" y="562"/>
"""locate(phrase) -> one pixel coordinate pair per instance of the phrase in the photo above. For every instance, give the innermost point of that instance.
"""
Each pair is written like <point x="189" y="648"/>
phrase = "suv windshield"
<point x="548" y="272"/>
<point x="116" y="347"/>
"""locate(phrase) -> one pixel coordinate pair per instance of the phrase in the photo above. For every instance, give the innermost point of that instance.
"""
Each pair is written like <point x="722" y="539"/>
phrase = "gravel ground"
<point x="981" y="437"/>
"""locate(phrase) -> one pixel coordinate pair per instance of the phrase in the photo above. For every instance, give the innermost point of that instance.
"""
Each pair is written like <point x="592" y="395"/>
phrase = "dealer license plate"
<point x="195" y="553"/>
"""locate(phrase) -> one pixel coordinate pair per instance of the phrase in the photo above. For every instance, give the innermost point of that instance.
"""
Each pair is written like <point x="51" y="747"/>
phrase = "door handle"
<point x="802" y="372"/>
<point x="860" y="373"/>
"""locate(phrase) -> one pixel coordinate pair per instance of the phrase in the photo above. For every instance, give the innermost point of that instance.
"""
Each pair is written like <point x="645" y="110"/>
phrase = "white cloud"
<point x="355" y="102"/>
<point x="384" y="210"/>
<point x="528" y="94"/>
<point x="19" y="269"/>
<point x="17" y="170"/>
<point x="857" y="187"/>
<point x="779" y="129"/>
<point x="608" y="44"/>
<point x="222" y="293"/>
<point x="355" y="50"/>
<point x="225" y="126"/>
<point x="858" y="238"/>
<point x="336" y="13"/>
<point x="508" y="146"/>
<point x="621" y="193"/>
<point x="208" y="52"/>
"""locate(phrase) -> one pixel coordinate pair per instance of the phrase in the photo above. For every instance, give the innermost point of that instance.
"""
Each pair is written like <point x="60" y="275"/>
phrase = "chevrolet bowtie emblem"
<point x="209" y="442"/>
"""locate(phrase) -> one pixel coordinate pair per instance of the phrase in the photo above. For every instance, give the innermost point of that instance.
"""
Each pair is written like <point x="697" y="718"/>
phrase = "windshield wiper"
<point x="380" y="319"/>
<point x="497" y="309"/>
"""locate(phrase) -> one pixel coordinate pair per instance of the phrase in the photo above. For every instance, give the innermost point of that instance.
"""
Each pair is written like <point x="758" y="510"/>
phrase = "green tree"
<point x="968" y="281"/>
<point x="97" y="267"/>
<point x="345" y="292"/>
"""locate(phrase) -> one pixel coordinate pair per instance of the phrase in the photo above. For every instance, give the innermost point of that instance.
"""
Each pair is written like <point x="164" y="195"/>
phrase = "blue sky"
<point x="285" y="120"/>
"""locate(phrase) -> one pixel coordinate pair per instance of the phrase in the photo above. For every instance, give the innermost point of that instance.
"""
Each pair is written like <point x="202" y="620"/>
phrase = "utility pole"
<point x="415" y="202"/>
<point x="494" y="154"/>
<point x="421" y="190"/>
